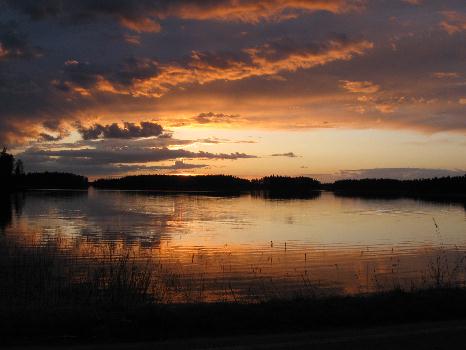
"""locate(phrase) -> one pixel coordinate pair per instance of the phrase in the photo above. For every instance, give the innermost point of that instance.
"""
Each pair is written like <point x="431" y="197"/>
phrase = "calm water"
<point x="248" y="247"/>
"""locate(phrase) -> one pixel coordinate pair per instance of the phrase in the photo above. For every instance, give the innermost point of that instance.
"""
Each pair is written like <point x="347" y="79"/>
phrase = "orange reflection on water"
<point x="207" y="248"/>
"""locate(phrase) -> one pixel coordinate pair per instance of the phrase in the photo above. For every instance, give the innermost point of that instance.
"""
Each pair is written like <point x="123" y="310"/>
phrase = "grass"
<point x="68" y="292"/>
<point x="46" y="277"/>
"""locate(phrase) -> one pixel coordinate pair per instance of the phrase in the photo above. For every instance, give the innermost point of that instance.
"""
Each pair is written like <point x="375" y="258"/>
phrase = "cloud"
<point x="130" y="155"/>
<point x="414" y="2"/>
<point x="143" y="25"/>
<point x="102" y="161"/>
<point x="385" y="107"/>
<point x="210" y="117"/>
<point x="446" y="75"/>
<point x="132" y="39"/>
<point x="187" y="69"/>
<point x="288" y="154"/>
<point x="365" y="87"/>
<point x="49" y="138"/>
<point x="110" y="169"/>
<point x="111" y="149"/>
<point x="114" y="131"/>
<point x="131" y="168"/>
<point x="52" y="124"/>
<point x="388" y="173"/>
<point x="13" y="44"/>
<point x="145" y="15"/>
<point x="454" y="22"/>
<point x="150" y="78"/>
<point x="216" y="140"/>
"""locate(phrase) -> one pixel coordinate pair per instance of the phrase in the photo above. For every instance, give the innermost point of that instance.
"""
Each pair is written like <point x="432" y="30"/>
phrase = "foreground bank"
<point x="45" y="301"/>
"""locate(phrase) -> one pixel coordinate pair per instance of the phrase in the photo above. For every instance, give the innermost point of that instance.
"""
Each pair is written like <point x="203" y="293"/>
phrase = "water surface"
<point x="248" y="247"/>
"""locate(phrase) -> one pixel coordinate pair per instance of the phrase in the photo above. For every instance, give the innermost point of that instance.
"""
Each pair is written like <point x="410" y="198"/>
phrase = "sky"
<point x="328" y="89"/>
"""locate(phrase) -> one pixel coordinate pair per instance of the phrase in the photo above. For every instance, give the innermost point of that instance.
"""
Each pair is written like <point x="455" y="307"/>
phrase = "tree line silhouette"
<point x="435" y="187"/>
<point x="13" y="177"/>
<point x="208" y="183"/>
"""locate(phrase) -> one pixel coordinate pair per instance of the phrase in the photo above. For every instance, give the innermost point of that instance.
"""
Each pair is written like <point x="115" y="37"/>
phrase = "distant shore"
<point x="437" y="189"/>
<point x="13" y="178"/>
<point x="445" y="188"/>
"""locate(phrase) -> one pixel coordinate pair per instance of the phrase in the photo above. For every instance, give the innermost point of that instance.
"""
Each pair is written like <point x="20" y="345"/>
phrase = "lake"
<point x="204" y="247"/>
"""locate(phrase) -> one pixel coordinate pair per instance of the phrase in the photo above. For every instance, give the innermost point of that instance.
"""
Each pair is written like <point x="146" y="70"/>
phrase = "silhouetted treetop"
<point x="207" y="183"/>
<point x="54" y="180"/>
<point x="7" y="163"/>
<point x="284" y="182"/>
<point x="443" y="186"/>
<point x="174" y="183"/>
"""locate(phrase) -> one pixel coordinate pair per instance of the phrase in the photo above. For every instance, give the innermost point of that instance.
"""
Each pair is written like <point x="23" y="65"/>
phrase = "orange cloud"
<point x="365" y="87"/>
<point x="204" y="67"/>
<point x="445" y="75"/>
<point x="413" y="2"/>
<point x="454" y="22"/>
<point x="253" y="11"/>
<point x="144" y="25"/>
<point x="143" y="16"/>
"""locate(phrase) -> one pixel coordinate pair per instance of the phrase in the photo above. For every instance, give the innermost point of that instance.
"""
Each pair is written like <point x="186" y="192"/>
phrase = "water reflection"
<point x="460" y="200"/>
<point x="246" y="246"/>
<point x="11" y="206"/>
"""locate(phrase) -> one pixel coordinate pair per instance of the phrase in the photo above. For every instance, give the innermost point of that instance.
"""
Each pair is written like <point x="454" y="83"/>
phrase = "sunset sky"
<point x="329" y="89"/>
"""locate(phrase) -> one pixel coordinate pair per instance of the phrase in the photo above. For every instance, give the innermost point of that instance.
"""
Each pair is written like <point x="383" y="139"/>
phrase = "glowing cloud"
<point x="143" y="16"/>
<point x="153" y="79"/>
<point x="454" y="22"/>
<point x="365" y="87"/>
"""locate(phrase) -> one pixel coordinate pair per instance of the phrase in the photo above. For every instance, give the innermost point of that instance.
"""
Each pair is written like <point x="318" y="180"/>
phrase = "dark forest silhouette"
<point x="174" y="183"/>
<point x="13" y="177"/>
<point x="209" y="183"/>
<point x="436" y="187"/>
<point x="10" y="169"/>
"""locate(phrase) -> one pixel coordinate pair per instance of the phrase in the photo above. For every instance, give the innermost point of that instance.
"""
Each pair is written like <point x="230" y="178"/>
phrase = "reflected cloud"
<point x="199" y="241"/>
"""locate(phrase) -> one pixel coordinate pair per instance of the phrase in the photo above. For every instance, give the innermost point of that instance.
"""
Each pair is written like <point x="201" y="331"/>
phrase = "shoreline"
<point x="156" y="322"/>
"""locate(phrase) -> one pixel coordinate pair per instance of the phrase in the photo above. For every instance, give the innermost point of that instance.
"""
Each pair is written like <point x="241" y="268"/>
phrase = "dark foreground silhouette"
<point x="440" y="335"/>
<point x="51" y="298"/>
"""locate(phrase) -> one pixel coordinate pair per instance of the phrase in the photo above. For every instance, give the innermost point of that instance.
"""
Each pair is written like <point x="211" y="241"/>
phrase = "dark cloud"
<point x="150" y="78"/>
<point x="13" y="44"/>
<point x="110" y="149"/>
<point x="114" y="131"/>
<point x="49" y="138"/>
<point x="81" y="74"/>
<point x="210" y="117"/>
<point x="53" y="125"/>
<point x="128" y="155"/>
<point x="287" y="72"/>
<point x="109" y="169"/>
<point x="144" y="15"/>
<point x="287" y="154"/>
